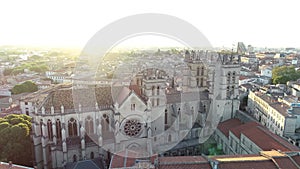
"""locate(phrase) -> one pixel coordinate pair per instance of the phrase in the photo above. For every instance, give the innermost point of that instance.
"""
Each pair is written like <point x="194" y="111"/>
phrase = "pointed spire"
<point x="52" y="110"/>
<point x="43" y="110"/>
<point x="62" y="109"/>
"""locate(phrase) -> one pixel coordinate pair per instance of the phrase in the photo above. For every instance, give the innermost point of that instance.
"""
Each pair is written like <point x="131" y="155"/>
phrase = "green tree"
<point x="283" y="74"/>
<point x="215" y="149"/>
<point x="27" y="86"/>
<point x="15" y="139"/>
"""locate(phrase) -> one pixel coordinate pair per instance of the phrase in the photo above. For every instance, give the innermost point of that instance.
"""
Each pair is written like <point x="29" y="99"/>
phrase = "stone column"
<point x="52" y="110"/>
<point x="44" y="145"/>
<point x="43" y="110"/>
<point x="64" y="145"/>
<point x="54" y="131"/>
<point x="62" y="109"/>
<point x="82" y="134"/>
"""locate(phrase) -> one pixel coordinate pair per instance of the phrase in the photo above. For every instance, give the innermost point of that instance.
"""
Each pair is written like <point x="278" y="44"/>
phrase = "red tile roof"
<point x="262" y="137"/>
<point x="266" y="164"/>
<point x="127" y="158"/>
<point x="227" y="125"/>
<point x="238" y="130"/>
<point x="267" y="140"/>
<point x="285" y="162"/>
<point x="181" y="159"/>
<point x="183" y="162"/>
<point x="186" y="166"/>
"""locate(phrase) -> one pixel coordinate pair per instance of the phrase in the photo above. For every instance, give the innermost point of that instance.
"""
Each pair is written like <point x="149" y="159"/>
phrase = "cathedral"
<point x="155" y="113"/>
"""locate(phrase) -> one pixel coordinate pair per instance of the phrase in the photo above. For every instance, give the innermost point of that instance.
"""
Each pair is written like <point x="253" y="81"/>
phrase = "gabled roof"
<point x="227" y="125"/>
<point x="123" y="95"/>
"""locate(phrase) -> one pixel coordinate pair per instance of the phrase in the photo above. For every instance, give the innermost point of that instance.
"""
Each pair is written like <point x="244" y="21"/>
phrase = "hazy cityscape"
<point x="156" y="85"/>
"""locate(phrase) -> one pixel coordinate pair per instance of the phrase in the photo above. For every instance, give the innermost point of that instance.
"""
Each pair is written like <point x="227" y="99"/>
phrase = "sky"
<point x="260" y="23"/>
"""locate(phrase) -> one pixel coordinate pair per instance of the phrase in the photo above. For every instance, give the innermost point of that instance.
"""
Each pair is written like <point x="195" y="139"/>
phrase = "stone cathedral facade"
<point x="154" y="114"/>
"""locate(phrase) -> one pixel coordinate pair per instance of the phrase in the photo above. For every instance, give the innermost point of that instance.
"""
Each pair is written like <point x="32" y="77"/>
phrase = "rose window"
<point x="132" y="127"/>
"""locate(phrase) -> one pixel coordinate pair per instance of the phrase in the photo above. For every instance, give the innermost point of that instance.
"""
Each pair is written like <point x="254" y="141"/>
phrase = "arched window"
<point x="58" y="129"/>
<point x="157" y="92"/>
<point x="228" y="77"/>
<point x="49" y="128"/>
<point x="89" y="127"/>
<point x="105" y="122"/>
<point x="92" y="155"/>
<point x="166" y="116"/>
<point x="179" y="114"/>
<point x="74" y="158"/>
<point x="41" y="127"/>
<point x="72" y="127"/>
<point x="233" y="77"/>
<point x="228" y="91"/>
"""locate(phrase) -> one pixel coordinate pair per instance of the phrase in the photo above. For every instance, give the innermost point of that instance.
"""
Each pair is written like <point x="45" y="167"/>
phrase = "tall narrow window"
<point x="197" y="81"/>
<point x="152" y="102"/>
<point x="89" y="127"/>
<point x="153" y="89"/>
<point x="157" y="101"/>
<point x="166" y="116"/>
<point x="169" y="138"/>
<point x="41" y="127"/>
<point x="198" y="71"/>
<point x="157" y="92"/>
<point x="228" y="92"/>
<point x="58" y="129"/>
<point x="202" y="71"/>
<point x="92" y="155"/>
<point x="72" y="127"/>
<point x="228" y="77"/>
<point x="233" y="77"/>
<point x="105" y="122"/>
<point x="201" y="82"/>
<point x="132" y="107"/>
<point x="49" y="128"/>
<point x="74" y="158"/>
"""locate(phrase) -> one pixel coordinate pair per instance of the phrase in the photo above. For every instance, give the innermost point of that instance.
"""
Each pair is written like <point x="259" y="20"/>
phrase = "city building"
<point x="237" y="137"/>
<point x="74" y="124"/>
<point x="271" y="113"/>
